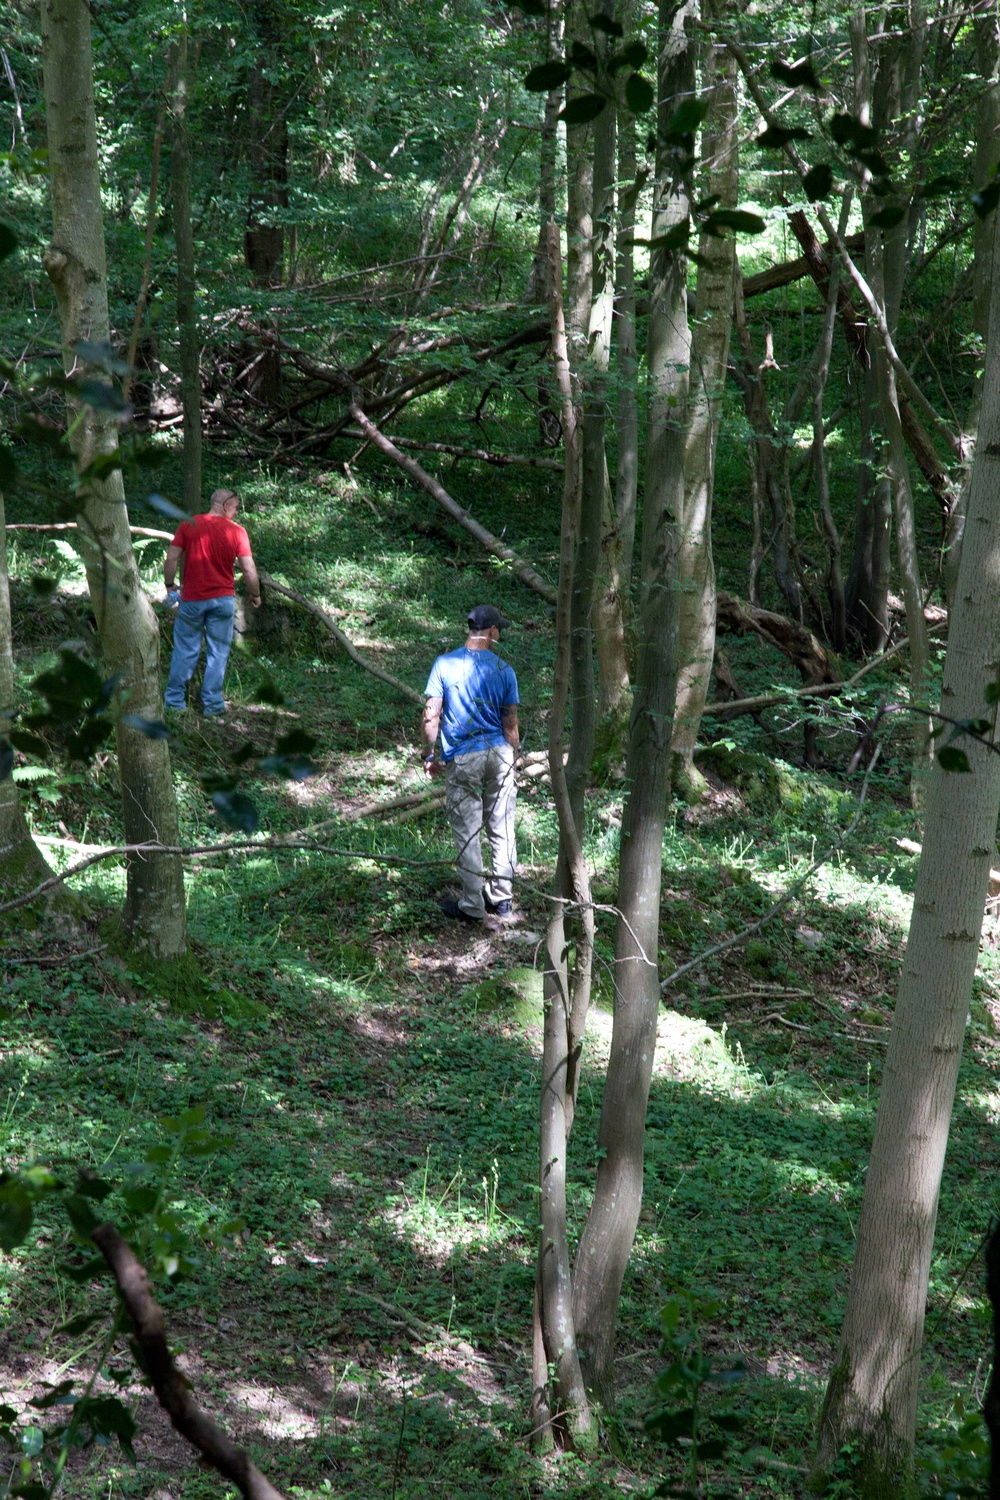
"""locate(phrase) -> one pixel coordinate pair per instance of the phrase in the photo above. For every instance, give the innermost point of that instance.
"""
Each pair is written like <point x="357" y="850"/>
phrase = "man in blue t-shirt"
<point x="472" y="701"/>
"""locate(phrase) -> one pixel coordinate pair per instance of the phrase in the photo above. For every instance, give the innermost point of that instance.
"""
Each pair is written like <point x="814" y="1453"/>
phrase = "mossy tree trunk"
<point x="871" y="1400"/>
<point x="75" y="262"/>
<point x="22" y="865"/>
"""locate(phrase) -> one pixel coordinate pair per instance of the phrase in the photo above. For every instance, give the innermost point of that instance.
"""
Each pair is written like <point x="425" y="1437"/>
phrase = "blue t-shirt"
<point x="475" y="686"/>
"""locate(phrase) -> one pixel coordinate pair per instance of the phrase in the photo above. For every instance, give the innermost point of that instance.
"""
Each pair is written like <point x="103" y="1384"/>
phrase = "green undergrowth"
<point x="376" y="1070"/>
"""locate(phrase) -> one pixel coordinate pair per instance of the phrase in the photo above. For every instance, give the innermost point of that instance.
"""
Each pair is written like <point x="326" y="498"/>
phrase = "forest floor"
<point x="374" y="1070"/>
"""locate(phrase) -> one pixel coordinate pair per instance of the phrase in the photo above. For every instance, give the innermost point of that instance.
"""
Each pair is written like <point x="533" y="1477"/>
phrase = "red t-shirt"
<point x="211" y="545"/>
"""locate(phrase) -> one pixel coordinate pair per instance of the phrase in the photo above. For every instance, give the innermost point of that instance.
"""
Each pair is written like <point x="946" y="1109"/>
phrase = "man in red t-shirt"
<point x="206" y="606"/>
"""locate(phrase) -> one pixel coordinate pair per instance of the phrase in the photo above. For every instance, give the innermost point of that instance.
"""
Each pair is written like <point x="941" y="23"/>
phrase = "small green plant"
<point x="164" y="1240"/>
<point x="956" y="1464"/>
<point x="695" y="1429"/>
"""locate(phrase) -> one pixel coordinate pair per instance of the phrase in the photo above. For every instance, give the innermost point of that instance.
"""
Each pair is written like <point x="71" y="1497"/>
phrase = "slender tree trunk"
<point x="872" y="1396"/>
<point x="606" y="1242"/>
<point x="627" y="420"/>
<point x="537" y="289"/>
<point x="75" y="262"/>
<point x="187" y="316"/>
<point x="560" y="1408"/>
<point x="868" y="582"/>
<point x="987" y="34"/>
<point x="22" y="864"/>
<point x="709" y="358"/>
<point x="579" y="208"/>
<point x="886" y="267"/>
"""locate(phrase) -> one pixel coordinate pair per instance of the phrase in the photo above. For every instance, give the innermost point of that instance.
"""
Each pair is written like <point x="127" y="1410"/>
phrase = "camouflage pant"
<point x="481" y="789"/>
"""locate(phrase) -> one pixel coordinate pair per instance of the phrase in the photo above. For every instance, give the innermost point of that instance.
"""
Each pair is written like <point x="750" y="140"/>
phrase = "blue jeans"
<point x="212" y="618"/>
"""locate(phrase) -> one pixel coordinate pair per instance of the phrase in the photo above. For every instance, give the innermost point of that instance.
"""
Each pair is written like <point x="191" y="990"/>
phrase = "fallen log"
<point x="325" y="619"/>
<point x="499" y="459"/>
<point x="518" y="566"/>
<point x="805" y="651"/>
<point x="793" y="270"/>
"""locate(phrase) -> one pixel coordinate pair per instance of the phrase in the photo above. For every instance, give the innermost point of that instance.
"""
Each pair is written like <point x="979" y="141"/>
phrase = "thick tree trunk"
<point x="871" y="1400"/>
<point x="606" y="1242"/>
<point x="709" y="358"/>
<point x="75" y="262"/>
<point x="22" y="864"/>
<point x="187" y="316"/>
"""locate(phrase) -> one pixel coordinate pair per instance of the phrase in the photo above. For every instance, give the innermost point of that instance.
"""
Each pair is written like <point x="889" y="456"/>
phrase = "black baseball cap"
<point x="485" y="616"/>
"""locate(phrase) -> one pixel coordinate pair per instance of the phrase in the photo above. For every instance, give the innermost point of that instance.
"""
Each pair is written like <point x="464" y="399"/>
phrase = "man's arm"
<point x="250" y="579"/>
<point x="429" y="726"/>
<point x="173" y="557"/>
<point x="508" y="723"/>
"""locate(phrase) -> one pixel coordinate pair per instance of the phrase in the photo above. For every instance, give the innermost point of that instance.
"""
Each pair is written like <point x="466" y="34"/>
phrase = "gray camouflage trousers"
<point x="481" y="789"/>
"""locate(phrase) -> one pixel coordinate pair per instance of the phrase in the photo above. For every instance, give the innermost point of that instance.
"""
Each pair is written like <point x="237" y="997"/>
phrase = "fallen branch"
<point x="327" y="621"/>
<point x="173" y="1391"/>
<point x="521" y="569"/>
<point x="529" y="461"/>
<point x="803" y="649"/>
<point x="792" y="270"/>
<point x="199" y="851"/>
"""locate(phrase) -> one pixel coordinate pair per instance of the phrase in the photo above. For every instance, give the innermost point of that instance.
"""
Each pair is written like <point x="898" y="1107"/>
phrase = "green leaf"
<point x="848" y="130"/>
<point x="28" y="744"/>
<point x="775" y="137"/>
<point x="607" y="25"/>
<point x="818" y="181"/>
<point x="639" y="94"/>
<point x="992" y="693"/>
<point x="668" y="1426"/>
<point x="674" y="239"/>
<point x="8" y="239"/>
<point x="936" y="187"/>
<point x="69" y="687"/>
<point x="737" y="219"/>
<point x="158" y="1154"/>
<point x="289" y="767"/>
<point x="796" y="75"/>
<point x="583" y="57"/>
<point x="16" y="1214"/>
<point x="547" y="76"/>
<point x="81" y="1215"/>
<point x="950" y="758"/>
<point x="247" y="751"/>
<point x="153" y="729"/>
<point x="634" y="53"/>
<point x="80" y="1323"/>
<point x="89" y="737"/>
<point x="193" y="1117"/>
<point x="39" y="1180"/>
<point x="96" y="1266"/>
<point x="985" y="201"/>
<point x="530" y="7"/>
<point x="235" y="810"/>
<point x="8" y="468"/>
<point x="108" y="1417"/>
<point x="220" y="781"/>
<point x="43" y="586"/>
<point x="685" y="120"/>
<point x="583" y="109"/>
<point x="888" y="218"/>
<point x="714" y="1448"/>
<point x="141" y="1200"/>
<point x="100" y="396"/>
<point x="269" y="693"/>
<point x="32" y="1441"/>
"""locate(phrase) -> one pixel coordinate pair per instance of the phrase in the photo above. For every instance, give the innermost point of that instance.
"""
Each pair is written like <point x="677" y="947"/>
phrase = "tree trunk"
<point x="868" y="581"/>
<point x="75" y="262"/>
<point x="886" y="261"/>
<point x="872" y="1396"/>
<point x="608" y="1234"/>
<point x="187" y="316"/>
<point x="627" y="418"/>
<point x="709" y="358"/>
<point x="560" y="1408"/>
<point x="537" y="289"/>
<point x="22" y="864"/>
<point x="987" y="34"/>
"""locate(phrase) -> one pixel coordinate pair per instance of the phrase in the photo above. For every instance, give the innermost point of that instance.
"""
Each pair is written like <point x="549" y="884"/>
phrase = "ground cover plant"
<point x="376" y="1078"/>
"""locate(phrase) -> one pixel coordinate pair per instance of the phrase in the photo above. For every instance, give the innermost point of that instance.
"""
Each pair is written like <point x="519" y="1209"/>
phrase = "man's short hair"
<point x="223" y="497"/>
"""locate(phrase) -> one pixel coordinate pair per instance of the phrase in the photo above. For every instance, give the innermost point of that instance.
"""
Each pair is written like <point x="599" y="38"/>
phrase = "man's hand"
<point x="257" y="602"/>
<point x="433" y="768"/>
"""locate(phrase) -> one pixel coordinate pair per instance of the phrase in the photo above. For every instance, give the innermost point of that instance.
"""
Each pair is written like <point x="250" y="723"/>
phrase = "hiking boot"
<point x="498" y="908"/>
<point x="451" y="908"/>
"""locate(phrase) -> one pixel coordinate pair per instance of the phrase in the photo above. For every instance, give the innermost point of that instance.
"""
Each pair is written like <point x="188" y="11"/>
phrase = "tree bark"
<point x="187" y="315"/>
<point x="75" y="262"/>
<point x="537" y="288"/>
<point x="606" y="1242"/>
<point x="627" y="416"/>
<point x="871" y="1399"/>
<point x="22" y="865"/>
<point x="709" y="358"/>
